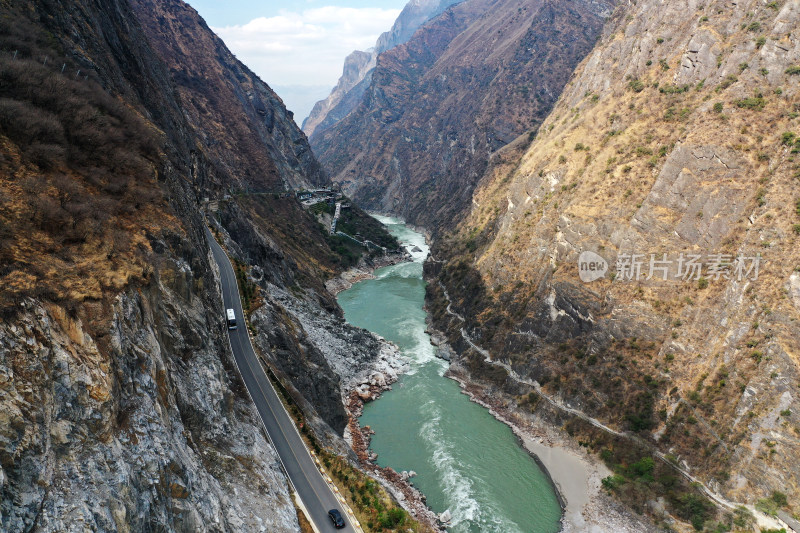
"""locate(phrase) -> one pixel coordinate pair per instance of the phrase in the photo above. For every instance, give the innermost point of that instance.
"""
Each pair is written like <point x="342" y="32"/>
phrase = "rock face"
<point x="358" y="66"/>
<point x="467" y="83"/>
<point x="142" y="427"/>
<point x="676" y="135"/>
<point x="354" y="81"/>
<point x="344" y="352"/>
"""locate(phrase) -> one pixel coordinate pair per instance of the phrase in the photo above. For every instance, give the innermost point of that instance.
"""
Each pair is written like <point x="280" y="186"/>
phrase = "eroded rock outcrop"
<point x="143" y="425"/>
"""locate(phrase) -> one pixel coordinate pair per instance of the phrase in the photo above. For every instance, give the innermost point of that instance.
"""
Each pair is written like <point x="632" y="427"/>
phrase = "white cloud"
<point x="306" y="47"/>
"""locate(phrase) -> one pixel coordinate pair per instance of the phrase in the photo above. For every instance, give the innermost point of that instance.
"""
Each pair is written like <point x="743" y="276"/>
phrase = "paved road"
<point x="306" y="478"/>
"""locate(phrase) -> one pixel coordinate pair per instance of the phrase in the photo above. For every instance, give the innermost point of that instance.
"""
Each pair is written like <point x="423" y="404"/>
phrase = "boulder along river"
<point x="466" y="461"/>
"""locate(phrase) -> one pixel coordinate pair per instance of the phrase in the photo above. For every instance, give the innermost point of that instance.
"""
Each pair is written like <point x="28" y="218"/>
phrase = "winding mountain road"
<point x="308" y="482"/>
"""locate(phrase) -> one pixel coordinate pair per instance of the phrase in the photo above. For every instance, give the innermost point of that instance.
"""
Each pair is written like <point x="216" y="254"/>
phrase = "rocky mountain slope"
<point x="467" y="83"/>
<point x="677" y="135"/>
<point x="121" y="409"/>
<point x="120" y="406"/>
<point x="359" y="65"/>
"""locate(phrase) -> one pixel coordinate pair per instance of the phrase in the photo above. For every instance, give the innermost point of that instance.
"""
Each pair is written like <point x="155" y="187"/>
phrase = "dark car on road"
<point x="336" y="518"/>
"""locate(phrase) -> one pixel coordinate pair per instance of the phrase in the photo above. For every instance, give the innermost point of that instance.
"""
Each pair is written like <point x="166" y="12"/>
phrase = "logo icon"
<point x="591" y="267"/>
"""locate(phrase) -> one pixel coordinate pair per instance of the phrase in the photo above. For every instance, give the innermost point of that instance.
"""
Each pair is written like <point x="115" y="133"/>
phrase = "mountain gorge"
<point x="467" y="83"/>
<point x="519" y="134"/>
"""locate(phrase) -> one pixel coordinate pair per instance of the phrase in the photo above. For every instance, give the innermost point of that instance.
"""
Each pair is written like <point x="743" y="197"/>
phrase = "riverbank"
<point x="366" y="387"/>
<point x="399" y="485"/>
<point x="575" y="474"/>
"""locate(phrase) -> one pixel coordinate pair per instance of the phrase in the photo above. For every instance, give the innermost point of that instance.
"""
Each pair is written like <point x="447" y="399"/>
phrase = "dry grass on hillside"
<point x="78" y="177"/>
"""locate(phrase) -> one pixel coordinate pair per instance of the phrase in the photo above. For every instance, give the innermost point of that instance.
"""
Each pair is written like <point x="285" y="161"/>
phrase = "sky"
<point x="298" y="47"/>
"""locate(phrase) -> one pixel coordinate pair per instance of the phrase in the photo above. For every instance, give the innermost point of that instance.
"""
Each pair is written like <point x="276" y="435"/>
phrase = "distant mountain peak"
<point x="359" y="64"/>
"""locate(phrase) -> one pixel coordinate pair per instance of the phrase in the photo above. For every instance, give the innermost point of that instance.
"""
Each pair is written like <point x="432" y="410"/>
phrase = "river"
<point x="466" y="461"/>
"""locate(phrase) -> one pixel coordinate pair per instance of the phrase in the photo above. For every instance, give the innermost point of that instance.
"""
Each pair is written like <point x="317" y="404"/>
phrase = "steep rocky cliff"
<point x="467" y="83"/>
<point x="345" y="96"/>
<point x="678" y="134"/>
<point x="120" y="406"/>
<point x="121" y="409"/>
<point x="246" y="130"/>
<point x="358" y="66"/>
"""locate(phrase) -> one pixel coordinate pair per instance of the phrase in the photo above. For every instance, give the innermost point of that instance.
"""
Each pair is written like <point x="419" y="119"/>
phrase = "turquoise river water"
<point x="466" y="460"/>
